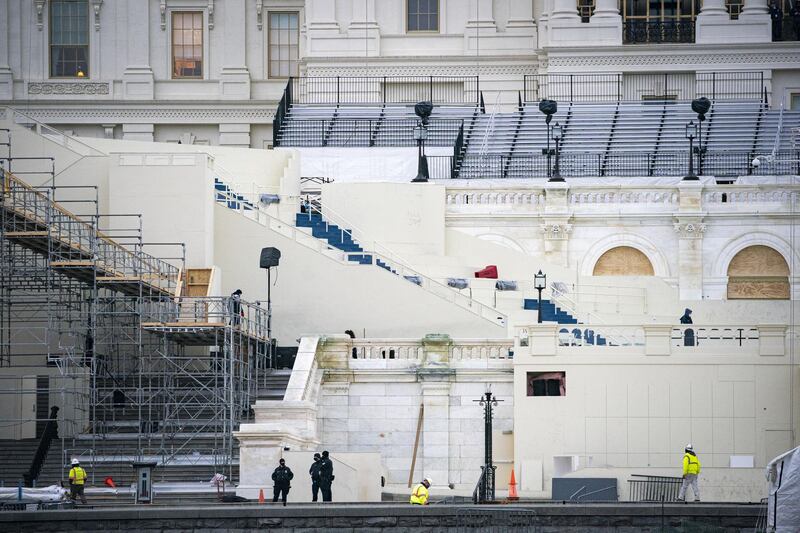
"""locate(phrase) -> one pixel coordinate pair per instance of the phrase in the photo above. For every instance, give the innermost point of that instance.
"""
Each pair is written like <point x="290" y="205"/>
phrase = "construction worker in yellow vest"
<point x="691" y="468"/>
<point x="77" y="480"/>
<point x="420" y="494"/>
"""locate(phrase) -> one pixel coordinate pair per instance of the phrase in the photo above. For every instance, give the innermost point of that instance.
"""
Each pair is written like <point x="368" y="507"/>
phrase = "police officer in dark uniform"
<point x="314" y="473"/>
<point x="326" y="476"/>
<point x="776" y="14"/>
<point x="794" y="13"/>
<point x="282" y="476"/>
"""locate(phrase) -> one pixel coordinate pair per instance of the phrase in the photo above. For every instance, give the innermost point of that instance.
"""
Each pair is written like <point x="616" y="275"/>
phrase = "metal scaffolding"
<point x="139" y="370"/>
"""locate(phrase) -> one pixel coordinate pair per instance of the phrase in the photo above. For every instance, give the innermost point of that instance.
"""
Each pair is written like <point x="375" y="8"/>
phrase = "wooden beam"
<point x="416" y="444"/>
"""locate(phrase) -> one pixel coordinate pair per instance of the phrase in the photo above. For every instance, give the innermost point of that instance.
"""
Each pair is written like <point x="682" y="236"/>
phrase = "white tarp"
<point x="783" y="507"/>
<point x="53" y="493"/>
<point x="365" y="164"/>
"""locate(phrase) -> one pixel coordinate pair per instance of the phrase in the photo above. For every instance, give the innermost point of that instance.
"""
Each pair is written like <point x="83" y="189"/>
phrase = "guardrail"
<point x="638" y="86"/>
<point x="369" y="132"/>
<point x="385" y="90"/>
<point x="653" y="488"/>
<point x="412" y="349"/>
<point x="626" y="164"/>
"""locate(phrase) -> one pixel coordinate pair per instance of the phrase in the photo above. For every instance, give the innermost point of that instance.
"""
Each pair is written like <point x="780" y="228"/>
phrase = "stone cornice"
<point x="680" y="57"/>
<point x="159" y="113"/>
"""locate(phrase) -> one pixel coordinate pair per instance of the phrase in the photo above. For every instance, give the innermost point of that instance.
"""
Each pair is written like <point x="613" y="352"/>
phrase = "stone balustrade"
<point x="651" y="339"/>
<point x="469" y="196"/>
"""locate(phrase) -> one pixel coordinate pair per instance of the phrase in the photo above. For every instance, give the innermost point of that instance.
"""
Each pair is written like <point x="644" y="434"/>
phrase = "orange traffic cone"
<point x="109" y="481"/>
<point x="512" y="488"/>
<point x="261" y="496"/>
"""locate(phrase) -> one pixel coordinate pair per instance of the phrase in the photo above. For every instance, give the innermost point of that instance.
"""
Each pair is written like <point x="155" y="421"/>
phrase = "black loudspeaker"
<point x="549" y="108"/>
<point x="701" y="106"/>
<point x="270" y="257"/>
<point x="423" y="110"/>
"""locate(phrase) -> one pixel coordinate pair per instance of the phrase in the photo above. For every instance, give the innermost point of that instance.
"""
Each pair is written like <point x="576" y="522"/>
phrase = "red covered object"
<point x="489" y="272"/>
<point x="110" y="482"/>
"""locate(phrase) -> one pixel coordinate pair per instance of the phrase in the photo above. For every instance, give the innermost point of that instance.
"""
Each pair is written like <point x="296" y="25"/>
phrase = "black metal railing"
<point x="458" y="152"/>
<point x="653" y="488"/>
<point x="48" y="435"/>
<point x="627" y="164"/>
<point x="369" y="132"/>
<point x="281" y="113"/>
<point x="484" y="490"/>
<point x="456" y="90"/>
<point x="657" y="31"/>
<point x="644" y="86"/>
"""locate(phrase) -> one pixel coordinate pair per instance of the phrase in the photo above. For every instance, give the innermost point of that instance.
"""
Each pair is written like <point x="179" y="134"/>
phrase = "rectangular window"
<point x="284" y="51"/>
<point x="423" y="15"/>
<point x="187" y="45"/>
<point x="69" y="38"/>
<point x="547" y="383"/>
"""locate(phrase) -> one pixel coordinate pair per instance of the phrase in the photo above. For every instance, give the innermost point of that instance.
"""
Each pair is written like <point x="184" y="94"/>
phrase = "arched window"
<point x="758" y="273"/>
<point x="623" y="261"/>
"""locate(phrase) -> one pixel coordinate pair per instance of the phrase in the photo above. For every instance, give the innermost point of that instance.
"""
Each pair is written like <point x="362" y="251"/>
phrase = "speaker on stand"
<point x="270" y="257"/>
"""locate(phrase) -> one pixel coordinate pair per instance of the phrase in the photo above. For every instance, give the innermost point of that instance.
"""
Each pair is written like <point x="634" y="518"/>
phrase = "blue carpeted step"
<point x="550" y="313"/>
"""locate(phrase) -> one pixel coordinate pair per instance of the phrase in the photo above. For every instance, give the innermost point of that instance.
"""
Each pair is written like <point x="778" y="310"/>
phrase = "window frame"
<point x="203" y="47"/>
<point x="438" y="29"/>
<point x="269" y="75"/>
<point x="50" y="45"/>
<point x="532" y="374"/>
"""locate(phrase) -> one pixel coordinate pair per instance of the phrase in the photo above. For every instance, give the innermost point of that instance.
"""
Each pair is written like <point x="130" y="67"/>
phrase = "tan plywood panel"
<point x="623" y="261"/>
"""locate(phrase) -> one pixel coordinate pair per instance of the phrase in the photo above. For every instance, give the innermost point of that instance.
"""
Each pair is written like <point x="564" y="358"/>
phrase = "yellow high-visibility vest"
<point x="77" y="475"/>
<point x="691" y="464"/>
<point x="420" y="495"/>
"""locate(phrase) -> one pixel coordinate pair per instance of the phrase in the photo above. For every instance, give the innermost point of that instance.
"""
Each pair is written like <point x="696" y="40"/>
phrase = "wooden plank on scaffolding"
<point x="22" y="234"/>
<point x="71" y="264"/>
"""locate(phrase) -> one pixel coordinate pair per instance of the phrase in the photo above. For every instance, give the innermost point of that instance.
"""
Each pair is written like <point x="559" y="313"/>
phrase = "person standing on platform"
<point x="314" y="473"/>
<point x="691" y="469"/>
<point x="776" y="14"/>
<point x="282" y="477"/>
<point x="236" y="307"/>
<point x="77" y="481"/>
<point x="688" y="333"/>
<point x="326" y="476"/>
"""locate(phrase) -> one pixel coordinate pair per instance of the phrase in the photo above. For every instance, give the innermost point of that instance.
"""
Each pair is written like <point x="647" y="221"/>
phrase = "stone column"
<point x="364" y="28"/>
<point x="480" y="24"/>
<point x="520" y="14"/>
<point x="137" y="79"/>
<point x="713" y="7"/>
<point x="322" y="29"/>
<point x="606" y="9"/>
<point x="565" y="10"/>
<point x="714" y="24"/>
<point x="321" y="15"/>
<point x="6" y="76"/>
<point x="555" y="225"/>
<point x="689" y="227"/>
<point x="234" y="81"/>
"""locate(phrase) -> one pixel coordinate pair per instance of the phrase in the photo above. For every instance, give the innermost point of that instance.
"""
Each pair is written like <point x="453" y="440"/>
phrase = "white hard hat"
<point x="429" y="480"/>
<point x="75" y="462"/>
<point x="689" y="446"/>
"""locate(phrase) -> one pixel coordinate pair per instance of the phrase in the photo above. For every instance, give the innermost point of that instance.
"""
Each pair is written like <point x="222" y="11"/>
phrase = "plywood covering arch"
<point x="623" y="261"/>
<point x="758" y="273"/>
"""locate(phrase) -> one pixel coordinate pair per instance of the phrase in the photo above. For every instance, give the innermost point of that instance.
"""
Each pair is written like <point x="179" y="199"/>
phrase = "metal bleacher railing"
<point x="636" y="87"/>
<point x="363" y="132"/>
<point x="338" y="90"/>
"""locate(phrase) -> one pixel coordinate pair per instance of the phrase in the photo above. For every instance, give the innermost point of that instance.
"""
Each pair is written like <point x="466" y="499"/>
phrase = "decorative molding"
<point x="689" y="230"/>
<point x="558" y="231"/>
<point x="516" y="71"/>
<point x="39" y="5"/>
<point x="75" y="87"/>
<point x="635" y="60"/>
<point x="96" y="5"/>
<point x="210" y="14"/>
<point x="260" y="14"/>
<point x="162" y="6"/>
<point x="153" y="115"/>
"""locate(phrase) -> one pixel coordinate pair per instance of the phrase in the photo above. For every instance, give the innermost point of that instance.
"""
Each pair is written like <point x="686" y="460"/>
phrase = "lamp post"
<point x="700" y="106"/>
<point x="539" y="283"/>
<point x="486" y="492"/>
<point x="558" y="133"/>
<point x="420" y="134"/>
<point x="549" y="108"/>
<point x="691" y="133"/>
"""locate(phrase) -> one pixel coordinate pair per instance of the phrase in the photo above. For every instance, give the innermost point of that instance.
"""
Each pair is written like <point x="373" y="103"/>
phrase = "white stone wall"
<point x="381" y="415"/>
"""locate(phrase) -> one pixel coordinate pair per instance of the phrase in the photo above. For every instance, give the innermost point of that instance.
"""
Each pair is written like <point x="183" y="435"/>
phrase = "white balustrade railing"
<point x="522" y="197"/>
<point x="763" y="194"/>
<point x="414" y="350"/>
<point x="665" y="196"/>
